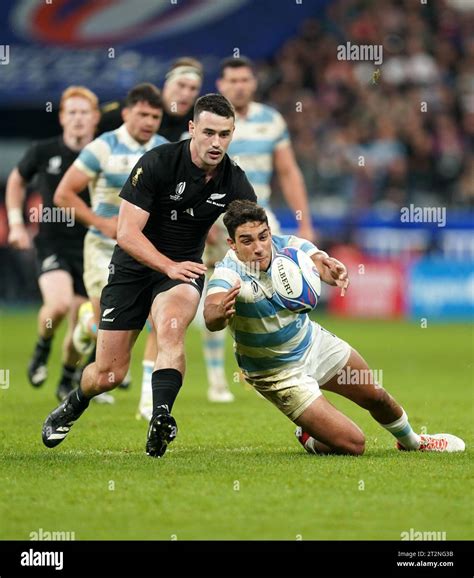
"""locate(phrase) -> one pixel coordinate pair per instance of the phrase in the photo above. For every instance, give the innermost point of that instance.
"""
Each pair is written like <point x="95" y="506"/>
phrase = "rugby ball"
<point x="296" y="280"/>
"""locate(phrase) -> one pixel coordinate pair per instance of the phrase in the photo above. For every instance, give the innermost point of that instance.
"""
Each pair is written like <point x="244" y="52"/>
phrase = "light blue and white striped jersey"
<point x="255" y="138"/>
<point x="267" y="336"/>
<point x="108" y="161"/>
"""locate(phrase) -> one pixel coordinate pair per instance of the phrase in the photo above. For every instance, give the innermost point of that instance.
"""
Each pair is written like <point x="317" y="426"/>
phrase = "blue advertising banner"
<point x="110" y="45"/>
<point x="441" y="289"/>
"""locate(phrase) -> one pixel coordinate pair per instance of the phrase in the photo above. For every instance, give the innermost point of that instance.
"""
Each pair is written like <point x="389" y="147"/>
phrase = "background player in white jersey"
<point x="59" y="243"/>
<point x="261" y="147"/>
<point x="286" y="357"/>
<point x="105" y="165"/>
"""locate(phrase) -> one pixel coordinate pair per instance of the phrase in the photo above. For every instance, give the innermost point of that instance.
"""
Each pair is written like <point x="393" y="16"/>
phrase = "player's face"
<point x="179" y="94"/>
<point x="253" y="244"/>
<point x="78" y="117"/>
<point x="142" y="121"/>
<point x="211" y="135"/>
<point x="238" y="85"/>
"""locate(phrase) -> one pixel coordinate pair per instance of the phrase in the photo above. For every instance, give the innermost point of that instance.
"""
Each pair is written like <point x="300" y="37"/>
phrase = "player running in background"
<point x="286" y="357"/>
<point x="104" y="165"/>
<point x="59" y="243"/>
<point x="182" y="85"/>
<point x="261" y="146"/>
<point x="173" y="196"/>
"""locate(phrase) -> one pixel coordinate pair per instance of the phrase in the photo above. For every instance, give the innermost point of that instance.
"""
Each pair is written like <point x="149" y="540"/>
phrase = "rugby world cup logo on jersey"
<point x="178" y="192"/>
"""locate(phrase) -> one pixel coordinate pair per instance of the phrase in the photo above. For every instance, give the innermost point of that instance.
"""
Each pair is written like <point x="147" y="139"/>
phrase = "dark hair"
<point x="145" y="92"/>
<point x="235" y="63"/>
<point x="215" y="103"/>
<point x="240" y="212"/>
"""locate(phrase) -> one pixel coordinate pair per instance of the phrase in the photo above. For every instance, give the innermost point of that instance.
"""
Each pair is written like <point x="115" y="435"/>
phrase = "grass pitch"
<point x="236" y="471"/>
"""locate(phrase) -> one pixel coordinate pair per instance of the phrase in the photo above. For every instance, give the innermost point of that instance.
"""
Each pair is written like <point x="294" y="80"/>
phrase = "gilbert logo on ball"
<point x="296" y="280"/>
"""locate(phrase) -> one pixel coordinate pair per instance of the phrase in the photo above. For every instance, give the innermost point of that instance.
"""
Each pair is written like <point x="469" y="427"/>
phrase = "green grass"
<point x="236" y="471"/>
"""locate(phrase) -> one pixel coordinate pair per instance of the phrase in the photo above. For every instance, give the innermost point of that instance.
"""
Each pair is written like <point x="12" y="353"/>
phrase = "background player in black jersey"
<point x="171" y="199"/>
<point x="181" y="88"/>
<point x="59" y="243"/>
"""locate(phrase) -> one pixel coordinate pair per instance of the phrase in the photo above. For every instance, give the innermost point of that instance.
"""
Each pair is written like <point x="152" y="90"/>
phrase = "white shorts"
<point x="292" y="394"/>
<point x="97" y="255"/>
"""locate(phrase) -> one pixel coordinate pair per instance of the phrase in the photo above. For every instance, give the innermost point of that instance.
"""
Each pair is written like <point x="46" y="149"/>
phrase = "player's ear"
<point x="230" y="243"/>
<point x="125" y="114"/>
<point x="191" y="127"/>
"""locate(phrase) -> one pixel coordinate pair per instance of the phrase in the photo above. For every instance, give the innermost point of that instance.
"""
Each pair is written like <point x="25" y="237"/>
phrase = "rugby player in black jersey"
<point x="171" y="199"/>
<point x="59" y="243"/>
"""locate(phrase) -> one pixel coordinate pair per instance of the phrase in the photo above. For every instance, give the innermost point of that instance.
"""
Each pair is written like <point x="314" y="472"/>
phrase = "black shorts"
<point x="126" y="300"/>
<point x="55" y="255"/>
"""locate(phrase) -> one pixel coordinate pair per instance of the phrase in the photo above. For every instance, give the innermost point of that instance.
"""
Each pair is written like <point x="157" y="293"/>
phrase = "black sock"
<point x="165" y="384"/>
<point x="68" y="374"/>
<point x="43" y="345"/>
<point x="78" y="400"/>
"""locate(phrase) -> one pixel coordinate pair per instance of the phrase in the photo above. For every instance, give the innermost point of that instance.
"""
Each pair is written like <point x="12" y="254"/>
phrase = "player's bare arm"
<point x="67" y="195"/>
<point x="294" y="189"/>
<point x="18" y="236"/>
<point x="219" y="308"/>
<point x="130" y="238"/>
<point x="331" y="271"/>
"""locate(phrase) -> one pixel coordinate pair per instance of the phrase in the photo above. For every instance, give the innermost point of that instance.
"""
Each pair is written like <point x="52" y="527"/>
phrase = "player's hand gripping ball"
<point x="296" y="280"/>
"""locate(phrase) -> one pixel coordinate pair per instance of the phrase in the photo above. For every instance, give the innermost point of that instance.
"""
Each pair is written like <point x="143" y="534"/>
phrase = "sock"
<point x="78" y="400"/>
<point x="43" y="345"/>
<point x="146" y="395"/>
<point x="214" y="355"/>
<point x="401" y="429"/>
<point x="165" y="384"/>
<point x="67" y="374"/>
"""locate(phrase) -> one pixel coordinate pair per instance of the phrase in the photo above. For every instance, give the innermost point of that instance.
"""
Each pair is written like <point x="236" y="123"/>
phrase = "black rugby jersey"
<point x="182" y="206"/>
<point x="48" y="160"/>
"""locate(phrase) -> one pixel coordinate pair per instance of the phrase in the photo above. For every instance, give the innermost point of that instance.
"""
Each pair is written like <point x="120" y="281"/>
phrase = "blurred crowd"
<point x="386" y="135"/>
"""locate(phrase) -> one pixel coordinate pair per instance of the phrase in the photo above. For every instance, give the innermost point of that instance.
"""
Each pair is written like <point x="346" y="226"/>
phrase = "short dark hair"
<point x="144" y="92"/>
<point x="241" y="212"/>
<point x="232" y="62"/>
<point x="215" y="103"/>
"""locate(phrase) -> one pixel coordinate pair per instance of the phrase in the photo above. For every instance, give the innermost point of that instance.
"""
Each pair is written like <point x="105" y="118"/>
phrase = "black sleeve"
<point x="111" y="116"/>
<point x="244" y="190"/>
<point x="143" y="184"/>
<point x="29" y="164"/>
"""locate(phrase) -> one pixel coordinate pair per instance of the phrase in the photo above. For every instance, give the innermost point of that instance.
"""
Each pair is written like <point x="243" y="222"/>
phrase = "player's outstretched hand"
<point x="227" y="305"/>
<point x="18" y="237"/>
<point x="185" y="271"/>
<point x="335" y="273"/>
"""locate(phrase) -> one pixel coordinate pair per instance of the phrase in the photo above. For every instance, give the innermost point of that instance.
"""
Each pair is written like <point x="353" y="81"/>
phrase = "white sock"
<point x="214" y="355"/>
<point x="146" y="397"/>
<point x="401" y="429"/>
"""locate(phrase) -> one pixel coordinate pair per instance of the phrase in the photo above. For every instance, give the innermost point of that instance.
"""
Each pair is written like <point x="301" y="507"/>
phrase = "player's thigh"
<point x="77" y="301"/>
<point x="114" y="349"/>
<point x="328" y="425"/>
<point x="174" y="309"/>
<point x="355" y="381"/>
<point x="57" y="289"/>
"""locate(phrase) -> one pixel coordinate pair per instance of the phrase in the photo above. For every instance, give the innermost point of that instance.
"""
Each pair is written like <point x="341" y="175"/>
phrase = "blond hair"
<point x="82" y="92"/>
